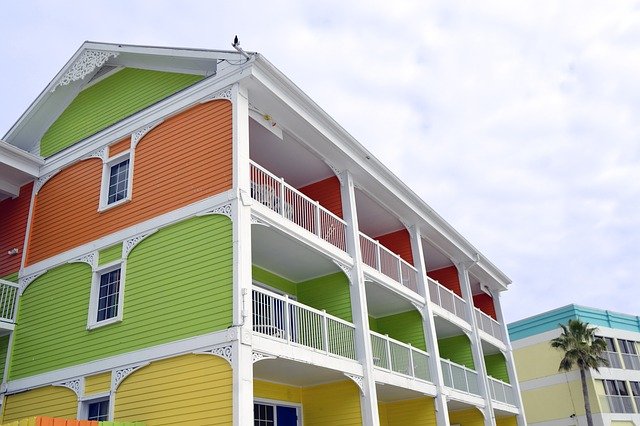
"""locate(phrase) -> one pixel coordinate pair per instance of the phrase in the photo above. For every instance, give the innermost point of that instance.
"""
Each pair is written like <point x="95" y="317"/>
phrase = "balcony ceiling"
<point x="382" y="302"/>
<point x="294" y="373"/>
<point x="390" y="393"/>
<point x="373" y="219"/>
<point x="17" y="168"/>
<point x="444" y="328"/>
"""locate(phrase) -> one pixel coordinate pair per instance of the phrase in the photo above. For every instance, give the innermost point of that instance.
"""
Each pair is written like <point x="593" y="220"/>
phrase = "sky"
<point x="518" y="122"/>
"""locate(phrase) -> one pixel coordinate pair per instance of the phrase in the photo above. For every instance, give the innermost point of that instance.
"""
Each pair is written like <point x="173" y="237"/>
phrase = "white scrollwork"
<point x="256" y="221"/>
<point x="75" y="385"/>
<point x="140" y="133"/>
<point x="130" y="243"/>
<point x="259" y="356"/>
<point x="345" y="268"/>
<point x="336" y="172"/>
<point x="90" y="258"/>
<point x="225" y="352"/>
<point x="100" y="154"/>
<point x="224" y="209"/>
<point x="88" y="61"/>
<point x="419" y="309"/>
<point x="225" y="93"/>
<point x="358" y="380"/>
<point x="24" y="282"/>
<point x="117" y="376"/>
<point x="43" y="179"/>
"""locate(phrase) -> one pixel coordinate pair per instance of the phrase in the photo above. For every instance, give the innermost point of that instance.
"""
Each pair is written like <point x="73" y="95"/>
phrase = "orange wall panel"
<point x="184" y="159"/>
<point x="484" y="302"/>
<point x="398" y="242"/>
<point x="119" y="147"/>
<point x="327" y="192"/>
<point x="14" y="214"/>
<point x="448" y="277"/>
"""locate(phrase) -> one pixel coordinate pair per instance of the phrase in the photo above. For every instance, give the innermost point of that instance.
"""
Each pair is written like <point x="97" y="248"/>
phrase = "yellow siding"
<point x="53" y="401"/>
<point x="382" y="414"/>
<point x="336" y="404"/>
<point x="557" y="402"/>
<point x="506" y="421"/>
<point x="545" y="359"/>
<point x="276" y="391"/>
<point x="31" y="421"/>
<point x="189" y="389"/>
<point x="471" y="417"/>
<point x="419" y="411"/>
<point x="98" y="383"/>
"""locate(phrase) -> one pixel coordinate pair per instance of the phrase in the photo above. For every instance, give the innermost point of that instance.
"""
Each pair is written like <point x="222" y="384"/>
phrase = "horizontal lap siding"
<point x="405" y="327"/>
<point x="14" y="213"/>
<point x="97" y="383"/>
<point x="183" y="160"/>
<point x="496" y="367"/>
<point x="471" y="417"/>
<point x="109" y="101"/>
<point x="178" y="284"/>
<point x="327" y="192"/>
<point x="511" y="421"/>
<point x="448" y="277"/>
<point x="457" y="349"/>
<point x="272" y="280"/>
<point x="330" y="292"/>
<point x="110" y="254"/>
<point x="53" y="401"/>
<point x="189" y="389"/>
<point x="4" y="344"/>
<point x="484" y="302"/>
<point x="277" y="392"/>
<point x="416" y="412"/>
<point x="336" y="404"/>
<point x="398" y="242"/>
<point x="119" y="147"/>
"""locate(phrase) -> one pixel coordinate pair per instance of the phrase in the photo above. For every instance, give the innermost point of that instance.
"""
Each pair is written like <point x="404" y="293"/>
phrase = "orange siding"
<point x="119" y="147"/>
<point x="484" y="302"/>
<point x="448" y="277"/>
<point x="14" y="213"/>
<point x="183" y="160"/>
<point x="398" y="242"/>
<point x="327" y="192"/>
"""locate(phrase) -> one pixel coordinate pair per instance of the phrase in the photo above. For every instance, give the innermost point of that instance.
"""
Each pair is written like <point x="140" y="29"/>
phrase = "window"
<point x="274" y="414"/>
<point x="263" y="415"/>
<point x="106" y="296"/>
<point x="629" y="354"/>
<point x="611" y="354"/>
<point x="618" y="396"/>
<point x="95" y="409"/>
<point x="116" y="181"/>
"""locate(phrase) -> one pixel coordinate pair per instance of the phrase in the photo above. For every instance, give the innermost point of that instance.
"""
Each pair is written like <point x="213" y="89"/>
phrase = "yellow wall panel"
<point x="382" y="414"/>
<point x="31" y="421"/>
<point x="277" y="391"/>
<point x="545" y="359"/>
<point x="471" y="417"/>
<point x="557" y="401"/>
<point x="189" y="389"/>
<point x="53" y="401"/>
<point x="336" y="404"/>
<point x="97" y="383"/>
<point x="419" y="411"/>
<point x="506" y="421"/>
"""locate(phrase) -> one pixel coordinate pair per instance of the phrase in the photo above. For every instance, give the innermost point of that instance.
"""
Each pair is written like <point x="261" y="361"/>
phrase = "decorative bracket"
<point x="259" y="356"/>
<point x="75" y="385"/>
<point x="419" y="309"/>
<point x="43" y="179"/>
<point x="88" y="61"/>
<point x="117" y="376"/>
<point x="24" y="282"/>
<point x="140" y="133"/>
<point x="347" y="269"/>
<point x="358" y="380"/>
<point x="256" y="221"/>
<point x="90" y="258"/>
<point x="336" y="172"/>
<point x="220" y="94"/>
<point x="225" y="352"/>
<point x="224" y="209"/>
<point x="130" y="243"/>
<point x="98" y="153"/>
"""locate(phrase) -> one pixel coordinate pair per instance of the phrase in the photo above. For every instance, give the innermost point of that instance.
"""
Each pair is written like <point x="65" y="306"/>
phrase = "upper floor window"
<point x="95" y="409"/>
<point x="611" y="354"/>
<point x="629" y="354"/>
<point x="106" y="296"/>
<point x="618" y="396"/>
<point x="116" y="181"/>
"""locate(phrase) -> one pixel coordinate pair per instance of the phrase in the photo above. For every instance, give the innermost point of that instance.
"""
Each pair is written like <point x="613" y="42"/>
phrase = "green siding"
<point x="178" y="284"/>
<point x="373" y="324"/>
<point x="110" y="254"/>
<point x="4" y="344"/>
<point x="496" y="367"/>
<point x="272" y="280"/>
<point x="457" y="349"/>
<point x="330" y="293"/>
<point x="405" y="327"/>
<point x="109" y="101"/>
<point x="11" y="277"/>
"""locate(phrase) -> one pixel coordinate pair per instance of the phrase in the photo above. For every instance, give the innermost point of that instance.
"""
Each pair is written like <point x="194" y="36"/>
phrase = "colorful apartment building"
<point x="551" y="397"/>
<point x="187" y="238"/>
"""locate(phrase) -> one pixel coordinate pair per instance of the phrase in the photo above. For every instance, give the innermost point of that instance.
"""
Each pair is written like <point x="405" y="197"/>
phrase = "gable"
<point x="109" y="101"/>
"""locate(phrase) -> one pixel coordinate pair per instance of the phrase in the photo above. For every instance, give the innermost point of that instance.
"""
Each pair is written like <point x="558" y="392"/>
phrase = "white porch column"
<point x="476" y="345"/>
<point x="368" y="398"/>
<point x="240" y="333"/>
<point x="428" y="325"/>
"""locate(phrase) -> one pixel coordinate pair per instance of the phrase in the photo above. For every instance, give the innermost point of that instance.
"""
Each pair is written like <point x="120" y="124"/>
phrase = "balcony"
<point x="613" y="358"/>
<point x="631" y="361"/>
<point x="291" y="322"/>
<point x="501" y="391"/>
<point x="393" y="355"/>
<point x="459" y="377"/>
<point x="488" y="324"/>
<point x="388" y="263"/>
<point x="272" y="192"/>
<point x="447" y="300"/>
<point x="8" y="295"/>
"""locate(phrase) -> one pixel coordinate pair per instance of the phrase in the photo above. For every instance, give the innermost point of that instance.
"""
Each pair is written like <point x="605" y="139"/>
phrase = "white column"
<point x="240" y="333"/>
<point x="428" y="325"/>
<point x="476" y="345"/>
<point x="369" y="399"/>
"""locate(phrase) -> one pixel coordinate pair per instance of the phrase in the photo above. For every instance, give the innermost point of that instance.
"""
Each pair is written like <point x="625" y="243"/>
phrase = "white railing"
<point x="271" y="191"/>
<point x="282" y="318"/>
<point x="488" y="324"/>
<point x="393" y="355"/>
<point x="459" y="377"/>
<point x="631" y="361"/>
<point x="8" y="294"/>
<point x="389" y="263"/>
<point x="616" y="403"/>
<point x="613" y="358"/>
<point x="501" y="391"/>
<point x="447" y="299"/>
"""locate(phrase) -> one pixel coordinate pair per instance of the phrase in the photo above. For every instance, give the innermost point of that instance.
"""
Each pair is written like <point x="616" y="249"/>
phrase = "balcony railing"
<point x="631" y="361"/>
<point x="447" y="299"/>
<point x="393" y="355"/>
<point x="488" y="324"/>
<point x="8" y="294"/>
<point x="501" y="391"/>
<point x="617" y="403"/>
<point x="293" y="205"/>
<point x="459" y="377"/>
<point x="389" y="263"/>
<point x="613" y="358"/>
<point x="282" y="318"/>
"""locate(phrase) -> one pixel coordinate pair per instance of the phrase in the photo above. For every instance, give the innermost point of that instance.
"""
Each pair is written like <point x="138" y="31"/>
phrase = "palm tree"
<point x="582" y="349"/>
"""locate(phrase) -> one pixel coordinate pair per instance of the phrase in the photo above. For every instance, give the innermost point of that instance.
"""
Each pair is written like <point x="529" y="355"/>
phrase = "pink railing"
<point x="390" y="264"/>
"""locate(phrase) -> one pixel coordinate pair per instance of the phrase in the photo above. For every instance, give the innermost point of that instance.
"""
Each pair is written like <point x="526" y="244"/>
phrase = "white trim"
<point x="103" y="76"/>
<point x="92" y="321"/>
<point x="278" y="403"/>
<point x="83" y="405"/>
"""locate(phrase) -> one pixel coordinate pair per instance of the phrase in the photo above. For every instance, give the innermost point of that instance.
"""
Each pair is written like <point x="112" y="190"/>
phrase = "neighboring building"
<point x="551" y="397"/>
<point x="191" y="240"/>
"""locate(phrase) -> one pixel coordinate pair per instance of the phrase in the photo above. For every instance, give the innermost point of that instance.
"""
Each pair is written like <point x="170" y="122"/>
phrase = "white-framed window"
<point x="106" y="301"/>
<point x="276" y="413"/>
<point x="116" y="181"/>
<point x="96" y="409"/>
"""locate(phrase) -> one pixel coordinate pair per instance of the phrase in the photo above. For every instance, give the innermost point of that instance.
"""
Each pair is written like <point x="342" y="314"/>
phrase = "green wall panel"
<point x="406" y="327"/>
<point x="109" y="101"/>
<point x="110" y="254"/>
<point x="496" y="367"/>
<point x="457" y="349"/>
<point x="272" y="280"/>
<point x="11" y="277"/>
<point x="178" y="284"/>
<point x="330" y="293"/>
<point x="4" y="344"/>
<point x="373" y="324"/>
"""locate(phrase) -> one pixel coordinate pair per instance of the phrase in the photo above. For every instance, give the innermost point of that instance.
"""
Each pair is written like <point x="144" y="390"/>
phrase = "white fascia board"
<point x="295" y="98"/>
<point x="404" y="382"/>
<point x="8" y="189"/>
<point x="20" y="160"/>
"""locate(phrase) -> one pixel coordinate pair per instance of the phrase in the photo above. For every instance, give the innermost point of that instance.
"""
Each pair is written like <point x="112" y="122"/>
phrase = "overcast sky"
<point x="519" y="122"/>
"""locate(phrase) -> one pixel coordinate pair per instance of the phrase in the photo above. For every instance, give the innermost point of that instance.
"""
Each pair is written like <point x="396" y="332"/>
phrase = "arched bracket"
<point x="336" y="172"/>
<point x="90" y="258"/>
<point x="225" y="352"/>
<point x="140" y="133"/>
<point x="419" y="309"/>
<point x="118" y="375"/>
<point x="130" y="243"/>
<point x="88" y="61"/>
<point x="259" y="356"/>
<point x="43" y="179"/>
<point x="256" y="221"/>
<point x="220" y="94"/>
<point x="358" y="380"/>
<point x="224" y="209"/>
<point x="24" y="282"/>
<point x="76" y="385"/>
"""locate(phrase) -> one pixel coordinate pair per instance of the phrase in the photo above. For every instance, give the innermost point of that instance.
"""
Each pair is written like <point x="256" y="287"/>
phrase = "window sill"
<point x="106" y="207"/>
<point x="95" y="325"/>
